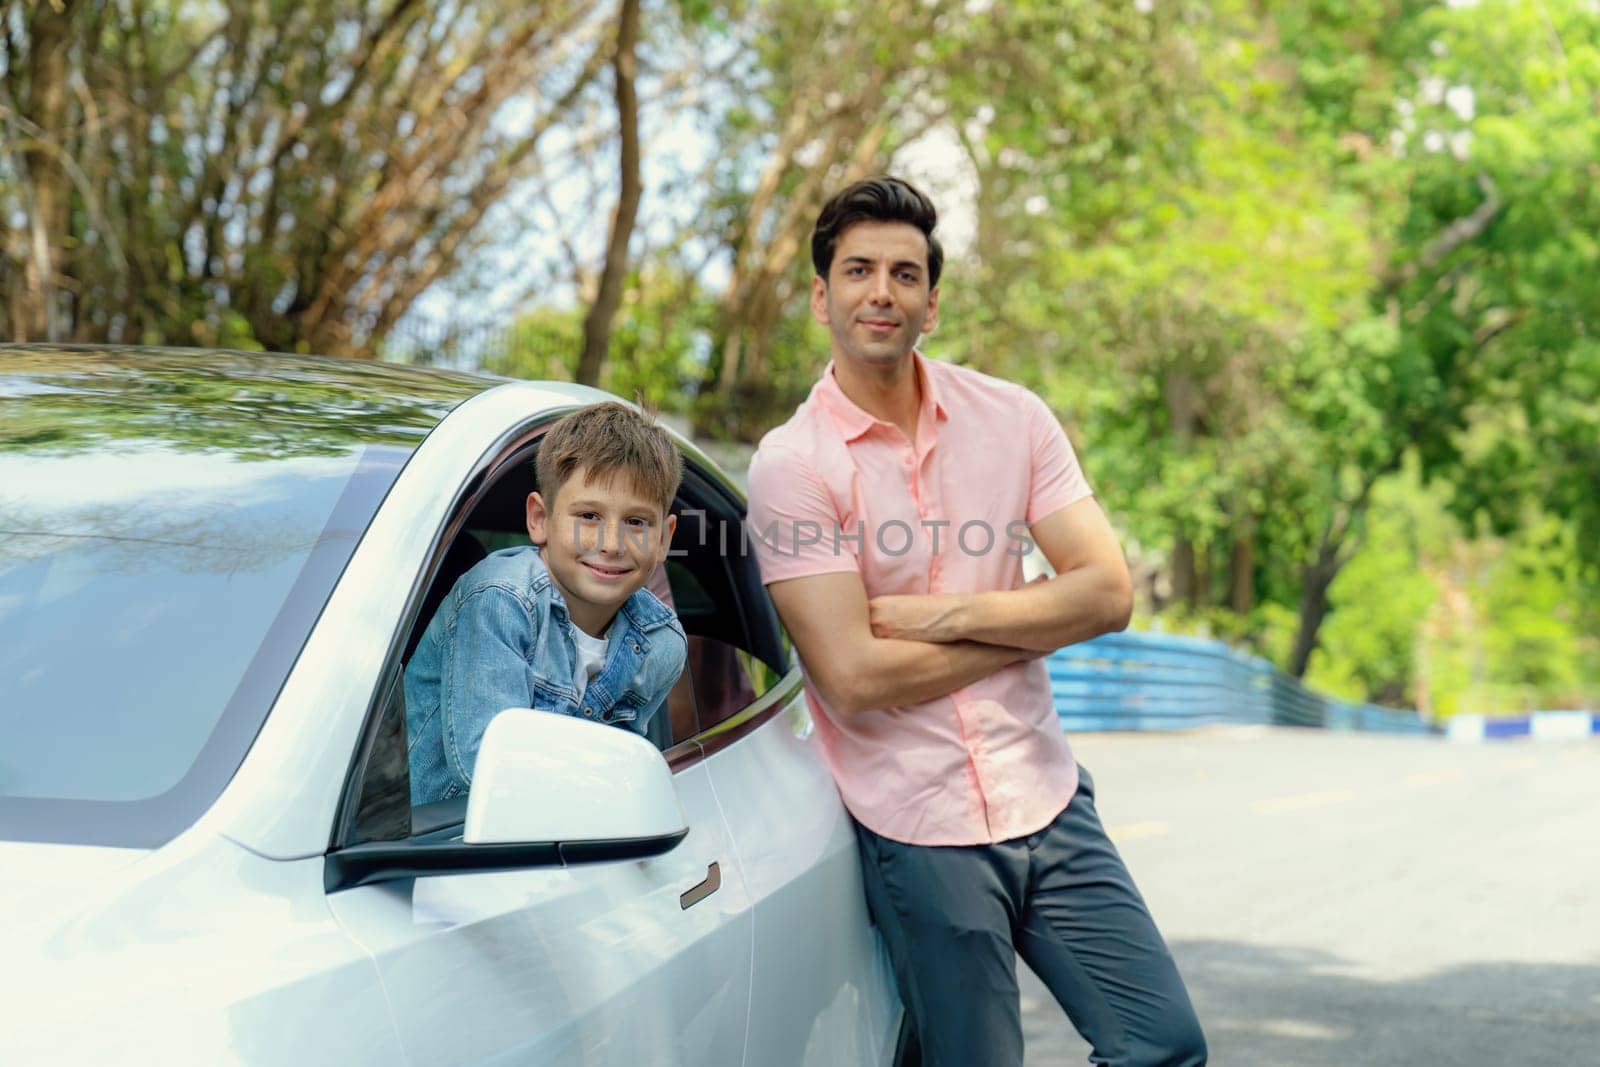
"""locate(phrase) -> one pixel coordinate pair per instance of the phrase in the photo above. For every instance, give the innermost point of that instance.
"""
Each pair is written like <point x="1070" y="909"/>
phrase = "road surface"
<point x="1351" y="899"/>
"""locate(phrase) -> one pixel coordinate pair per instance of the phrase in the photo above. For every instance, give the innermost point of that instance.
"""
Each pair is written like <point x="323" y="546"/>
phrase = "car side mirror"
<point x="547" y="777"/>
<point x="548" y="790"/>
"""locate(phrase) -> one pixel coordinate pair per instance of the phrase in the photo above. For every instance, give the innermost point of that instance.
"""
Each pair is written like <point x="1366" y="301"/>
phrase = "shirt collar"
<point x="854" y="422"/>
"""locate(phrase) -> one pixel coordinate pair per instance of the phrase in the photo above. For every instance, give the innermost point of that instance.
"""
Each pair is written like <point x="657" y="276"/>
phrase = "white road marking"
<point x="1302" y="801"/>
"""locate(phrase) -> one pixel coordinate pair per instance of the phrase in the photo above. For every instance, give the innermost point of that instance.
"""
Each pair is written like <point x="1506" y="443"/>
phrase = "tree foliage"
<point x="1313" y="285"/>
<point x="264" y="172"/>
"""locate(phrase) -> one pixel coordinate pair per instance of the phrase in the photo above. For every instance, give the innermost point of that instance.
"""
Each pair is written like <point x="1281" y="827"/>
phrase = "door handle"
<point x="695" y="895"/>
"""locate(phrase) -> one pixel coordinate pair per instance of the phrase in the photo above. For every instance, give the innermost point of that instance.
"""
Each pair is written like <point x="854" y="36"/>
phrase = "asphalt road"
<point x="1352" y="899"/>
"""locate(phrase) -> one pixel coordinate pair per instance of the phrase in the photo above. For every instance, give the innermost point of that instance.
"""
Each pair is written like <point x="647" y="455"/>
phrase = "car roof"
<point x="62" y="398"/>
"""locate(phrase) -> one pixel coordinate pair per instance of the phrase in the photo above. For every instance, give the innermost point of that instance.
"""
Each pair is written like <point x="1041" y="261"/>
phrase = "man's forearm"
<point x="1048" y="615"/>
<point x="890" y="672"/>
<point x="1041" y="616"/>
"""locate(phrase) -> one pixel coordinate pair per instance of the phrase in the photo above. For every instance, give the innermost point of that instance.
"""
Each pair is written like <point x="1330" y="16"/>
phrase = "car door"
<point x="626" y="962"/>
<point x="821" y="989"/>
<point x="622" y="963"/>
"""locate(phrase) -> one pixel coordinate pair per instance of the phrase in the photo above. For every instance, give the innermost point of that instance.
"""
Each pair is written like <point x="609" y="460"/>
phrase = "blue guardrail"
<point x="1149" y="681"/>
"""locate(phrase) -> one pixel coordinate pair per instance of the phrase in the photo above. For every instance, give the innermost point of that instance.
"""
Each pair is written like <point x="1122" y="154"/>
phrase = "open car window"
<point x="735" y="648"/>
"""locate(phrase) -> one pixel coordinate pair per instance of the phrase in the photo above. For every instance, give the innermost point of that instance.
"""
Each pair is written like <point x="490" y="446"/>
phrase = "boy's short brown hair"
<point x="606" y="440"/>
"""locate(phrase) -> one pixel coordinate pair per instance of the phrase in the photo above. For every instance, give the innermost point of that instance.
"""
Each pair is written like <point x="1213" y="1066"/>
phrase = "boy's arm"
<point x="1091" y="594"/>
<point x="855" y="670"/>
<point x="678" y="682"/>
<point x="485" y="671"/>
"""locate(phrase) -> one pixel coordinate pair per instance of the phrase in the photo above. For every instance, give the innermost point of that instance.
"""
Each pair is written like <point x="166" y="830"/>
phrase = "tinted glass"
<point x="139" y="620"/>
<point x="170" y="526"/>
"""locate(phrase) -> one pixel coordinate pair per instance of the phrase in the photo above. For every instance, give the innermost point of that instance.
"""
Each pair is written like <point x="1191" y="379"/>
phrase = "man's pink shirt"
<point x="836" y="490"/>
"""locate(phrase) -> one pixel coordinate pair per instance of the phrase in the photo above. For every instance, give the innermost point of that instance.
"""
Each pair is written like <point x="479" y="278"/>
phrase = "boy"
<point x="565" y="624"/>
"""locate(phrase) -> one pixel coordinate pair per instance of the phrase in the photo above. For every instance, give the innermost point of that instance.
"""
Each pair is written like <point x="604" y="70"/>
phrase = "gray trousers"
<point x="955" y="919"/>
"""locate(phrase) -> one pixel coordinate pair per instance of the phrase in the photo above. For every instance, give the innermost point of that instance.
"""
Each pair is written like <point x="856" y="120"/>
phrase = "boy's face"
<point x="601" y="542"/>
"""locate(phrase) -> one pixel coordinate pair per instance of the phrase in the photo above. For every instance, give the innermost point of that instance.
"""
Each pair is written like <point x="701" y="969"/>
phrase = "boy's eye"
<point x="589" y="516"/>
<point x="639" y="524"/>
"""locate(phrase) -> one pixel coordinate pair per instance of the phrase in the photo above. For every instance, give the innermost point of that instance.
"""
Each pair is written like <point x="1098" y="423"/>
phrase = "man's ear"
<point x="932" y="318"/>
<point x="819" y="299"/>
<point x="538" y="517"/>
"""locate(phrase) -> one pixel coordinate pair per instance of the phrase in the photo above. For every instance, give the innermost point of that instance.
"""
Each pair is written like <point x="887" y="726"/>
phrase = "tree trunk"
<point x="602" y="313"/>
<point x="1242" y="569"/>
<point x="45" y="178"/>
<point x="1183" y="414"/>
<point x="777" y="229"/>
<point x="1314" y="606"/>
<point x="1185" y="579"/>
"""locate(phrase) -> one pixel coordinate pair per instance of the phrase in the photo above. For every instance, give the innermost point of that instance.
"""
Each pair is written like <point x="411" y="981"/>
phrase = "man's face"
<point x="601" y="542"/>
<point x="877" y="301"/>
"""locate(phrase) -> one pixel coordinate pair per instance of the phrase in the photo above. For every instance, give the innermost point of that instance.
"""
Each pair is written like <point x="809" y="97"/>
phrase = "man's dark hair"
<point x="880" y="199"/>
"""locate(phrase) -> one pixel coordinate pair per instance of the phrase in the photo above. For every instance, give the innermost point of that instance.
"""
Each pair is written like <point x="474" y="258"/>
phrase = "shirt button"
<point x="589" y="712"/>
<point x="636" y="647"/>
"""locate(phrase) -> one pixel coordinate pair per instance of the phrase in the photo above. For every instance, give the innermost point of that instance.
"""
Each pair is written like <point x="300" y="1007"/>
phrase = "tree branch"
<point x="1458" y="233"/>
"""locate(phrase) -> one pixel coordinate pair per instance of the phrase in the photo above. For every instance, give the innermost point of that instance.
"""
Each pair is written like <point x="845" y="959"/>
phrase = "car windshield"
<point x="171" y="524"/>
<point x="151" y="603"/>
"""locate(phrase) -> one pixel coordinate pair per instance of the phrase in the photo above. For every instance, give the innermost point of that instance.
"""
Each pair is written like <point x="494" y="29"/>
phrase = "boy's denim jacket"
<point x="502" y="639"/>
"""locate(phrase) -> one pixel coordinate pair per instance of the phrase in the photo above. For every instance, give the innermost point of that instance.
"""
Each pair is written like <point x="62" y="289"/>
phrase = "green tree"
<point x="293" y="175"/>
<point x="1048" y="98"/>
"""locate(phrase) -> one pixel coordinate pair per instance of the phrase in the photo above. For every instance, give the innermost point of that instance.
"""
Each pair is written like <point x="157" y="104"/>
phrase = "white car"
<point x="212" y="569"/>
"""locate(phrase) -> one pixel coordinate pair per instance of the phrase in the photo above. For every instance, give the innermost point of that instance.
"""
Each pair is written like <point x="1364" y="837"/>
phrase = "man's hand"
<point x="915" y="618"/>
<point x="829" y="618"/>
<point x="1089" y="595"/>
<point x="927" y="617"/>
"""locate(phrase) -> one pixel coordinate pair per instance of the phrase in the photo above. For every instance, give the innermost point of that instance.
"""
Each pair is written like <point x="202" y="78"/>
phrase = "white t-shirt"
<point x="591" y="657"/>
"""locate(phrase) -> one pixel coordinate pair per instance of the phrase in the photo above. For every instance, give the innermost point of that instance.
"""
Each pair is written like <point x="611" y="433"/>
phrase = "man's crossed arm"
<point x="896" y="650"/>
<point x="1089" y="595"/>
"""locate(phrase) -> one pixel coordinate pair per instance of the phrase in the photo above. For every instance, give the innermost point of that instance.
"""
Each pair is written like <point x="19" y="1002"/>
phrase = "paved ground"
<point x="1342" y="899"/>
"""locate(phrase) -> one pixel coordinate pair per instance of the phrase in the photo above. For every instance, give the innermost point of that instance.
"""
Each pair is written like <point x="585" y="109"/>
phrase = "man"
<point x="890" y="514"/>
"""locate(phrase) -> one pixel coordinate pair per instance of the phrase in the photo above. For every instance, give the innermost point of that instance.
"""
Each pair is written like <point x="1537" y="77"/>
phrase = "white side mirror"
<point x="542" y="777"/>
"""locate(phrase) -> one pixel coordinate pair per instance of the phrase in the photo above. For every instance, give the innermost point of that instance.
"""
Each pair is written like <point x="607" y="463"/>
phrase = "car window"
<point x="718" y="677"/>
<point x="735" y="648"/>
<point x="152" y="602"/>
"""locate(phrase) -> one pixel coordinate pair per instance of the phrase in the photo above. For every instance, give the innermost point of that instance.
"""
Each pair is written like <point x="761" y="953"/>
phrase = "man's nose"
<point x="879" y="293"/>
